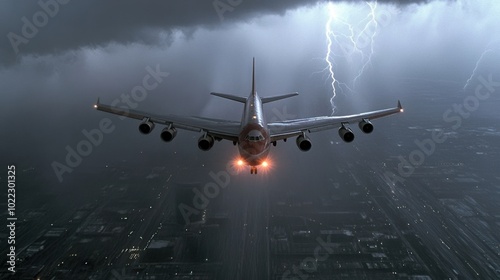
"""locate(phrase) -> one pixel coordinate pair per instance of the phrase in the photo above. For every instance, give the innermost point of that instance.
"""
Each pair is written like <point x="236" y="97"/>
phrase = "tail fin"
<point x="253" y="77"/>
<point x="278" y="97"/>
<point x="229" y="96"/>
<point x="239" y="98"/>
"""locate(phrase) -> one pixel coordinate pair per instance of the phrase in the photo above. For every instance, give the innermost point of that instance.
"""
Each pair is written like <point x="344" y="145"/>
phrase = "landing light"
<point x="240" y="162"/>
<point x="265" y="164"/>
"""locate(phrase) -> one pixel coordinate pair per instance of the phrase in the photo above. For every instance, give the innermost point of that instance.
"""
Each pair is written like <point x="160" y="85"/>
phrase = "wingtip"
<point x="400" y="106"/>
<point x="97" y="103"/>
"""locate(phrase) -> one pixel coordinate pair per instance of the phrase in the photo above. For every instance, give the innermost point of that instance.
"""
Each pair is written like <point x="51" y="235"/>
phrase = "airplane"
<point x="253" y="135"/>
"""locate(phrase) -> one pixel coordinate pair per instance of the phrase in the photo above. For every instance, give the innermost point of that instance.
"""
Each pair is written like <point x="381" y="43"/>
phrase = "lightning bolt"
<point x="478" y="63"/>
<point x="370" y="18"/>
<point x="347" y="42"/>
<point x="328" y="58"/>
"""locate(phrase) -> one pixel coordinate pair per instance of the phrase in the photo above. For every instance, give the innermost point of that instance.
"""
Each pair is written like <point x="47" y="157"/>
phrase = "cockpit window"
<point x="254" y="135"/>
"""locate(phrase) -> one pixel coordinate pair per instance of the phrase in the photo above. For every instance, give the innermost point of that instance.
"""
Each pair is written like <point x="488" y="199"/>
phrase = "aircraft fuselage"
<point x="254" y="139"/>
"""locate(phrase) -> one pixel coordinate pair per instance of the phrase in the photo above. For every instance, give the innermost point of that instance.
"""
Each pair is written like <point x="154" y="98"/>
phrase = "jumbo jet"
<point x="253" y="135"/>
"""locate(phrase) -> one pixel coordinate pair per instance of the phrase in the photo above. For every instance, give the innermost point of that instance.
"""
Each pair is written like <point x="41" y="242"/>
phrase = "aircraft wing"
<point x="219" y="129"/>
<point x="290" y="128"/>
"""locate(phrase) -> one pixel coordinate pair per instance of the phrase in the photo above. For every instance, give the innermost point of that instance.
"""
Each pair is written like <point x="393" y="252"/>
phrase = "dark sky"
<point x="51" y="75"/>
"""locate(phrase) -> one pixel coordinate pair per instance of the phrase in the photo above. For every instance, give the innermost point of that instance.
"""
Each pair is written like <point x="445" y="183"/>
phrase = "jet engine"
<point x="366" y="126"/>
<point x="168" y="134"/>
<point x="146" y="127"/>
<point x="206" y="142"/>
<point x="346" y="134"/>
<point x="304" y="143"/>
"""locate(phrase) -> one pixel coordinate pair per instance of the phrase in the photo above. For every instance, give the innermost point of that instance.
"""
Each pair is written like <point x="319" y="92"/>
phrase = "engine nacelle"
<point x="304" y="143"/>
<point x="168" y="134"/>
<point x="366" y="126"/>
<point x="346" y="134"/>
<point x="206" y="142"/>
<point x="146" y="127"/>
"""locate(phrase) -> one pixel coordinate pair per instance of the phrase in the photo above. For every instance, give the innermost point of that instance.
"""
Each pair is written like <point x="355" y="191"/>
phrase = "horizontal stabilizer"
<point x="229" y="96"/>
<point x="279" y="97"/>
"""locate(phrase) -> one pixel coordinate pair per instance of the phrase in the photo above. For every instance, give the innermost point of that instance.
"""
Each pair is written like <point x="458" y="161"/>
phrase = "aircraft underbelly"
<point x="253" y="157"/>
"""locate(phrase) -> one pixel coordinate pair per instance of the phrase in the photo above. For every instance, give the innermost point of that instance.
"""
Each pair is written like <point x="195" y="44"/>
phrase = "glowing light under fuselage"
<point x="240" y="162"/>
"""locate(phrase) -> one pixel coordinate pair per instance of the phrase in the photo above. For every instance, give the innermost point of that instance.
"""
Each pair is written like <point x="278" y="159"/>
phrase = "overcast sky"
<point x="57" y="58"/>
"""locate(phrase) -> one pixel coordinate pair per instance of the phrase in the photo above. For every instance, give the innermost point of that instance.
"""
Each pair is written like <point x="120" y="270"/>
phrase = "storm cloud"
<point x="64" y="25"/>
<point x="49" y="26"/>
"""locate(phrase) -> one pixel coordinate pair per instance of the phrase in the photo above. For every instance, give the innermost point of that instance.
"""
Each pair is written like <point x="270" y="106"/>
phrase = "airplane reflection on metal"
<point x="253" y="134"/>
